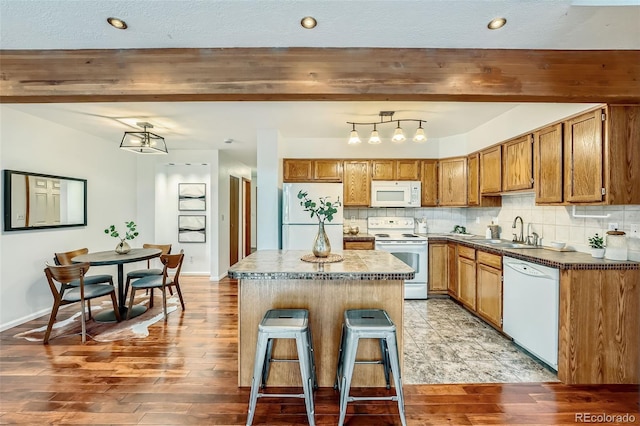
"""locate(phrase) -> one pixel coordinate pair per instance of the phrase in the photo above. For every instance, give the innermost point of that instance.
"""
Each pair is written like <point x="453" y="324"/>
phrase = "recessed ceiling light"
<point x="496" y="23"/>
<point x="117" y="23"/>
<point x="308" y="22"/>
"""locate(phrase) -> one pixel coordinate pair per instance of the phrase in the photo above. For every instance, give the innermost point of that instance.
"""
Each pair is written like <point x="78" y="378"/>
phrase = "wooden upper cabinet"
<point x="357" y="184"/>
<point x="395" y="169"/>
<point x="473" y="187"/>
<point x="517" y="161"/>
<point x="547" y="160"/>
<point x="297" y="170"/>
<point x="452" y="182"/>
<point x="491" y="170"/>
<point x="309" y="170"/>
<point x="327" y="170"/>
<point x="407" y="169"/>
<point x="583" y="158"/>
<point x="622" y="144"/>
<point x="429" y="182"/>
<point x="383" y="169"/>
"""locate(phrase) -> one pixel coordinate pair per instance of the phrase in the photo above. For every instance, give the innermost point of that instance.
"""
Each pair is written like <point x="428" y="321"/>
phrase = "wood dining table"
<point x="102" y="258"/>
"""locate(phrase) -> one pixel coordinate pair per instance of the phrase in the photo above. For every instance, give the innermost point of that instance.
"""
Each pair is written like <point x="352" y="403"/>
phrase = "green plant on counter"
<point x="459" y="229"/>
<point x="596" y="241"/>
<point x="129" y="235"/>
<point x="325" y="210"/>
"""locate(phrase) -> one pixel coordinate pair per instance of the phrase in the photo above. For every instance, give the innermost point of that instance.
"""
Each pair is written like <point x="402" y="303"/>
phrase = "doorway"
<point x="234" y="220"/>
<point x="246" y="217"/>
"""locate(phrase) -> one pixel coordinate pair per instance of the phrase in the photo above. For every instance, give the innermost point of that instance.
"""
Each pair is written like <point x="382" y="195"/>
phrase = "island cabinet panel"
<point x="327" y="170"/>
<point x="438" y="271"/>
<point x="383" y="169"/>
<point x="326" y="301"/>
<point x="583" y="155"/>
<point x="407" y="169"/>
<point x="548" y="158"/>
<point x="452" y="182"/>
<point x="489" y="288"/>
<point x="452" y="269"/>
<point x="297" y="170"/>
<point x="429" y="180"/>
<point x="599" y="335"/>
<point x="357" y="183"/>
<point x="467" y="277"/>
<point x="517" y="164"/>
<point x="491" y="170"/>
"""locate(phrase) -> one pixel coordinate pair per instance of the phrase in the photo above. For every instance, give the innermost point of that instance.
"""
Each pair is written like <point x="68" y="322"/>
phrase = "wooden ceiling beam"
<point x="335" y="74"/>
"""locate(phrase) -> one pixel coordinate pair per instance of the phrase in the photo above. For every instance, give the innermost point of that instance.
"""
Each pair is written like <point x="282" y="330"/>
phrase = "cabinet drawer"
<point x="358" y="245"/>
<point x="468" y="252"/>
<point x="493" y="260"/>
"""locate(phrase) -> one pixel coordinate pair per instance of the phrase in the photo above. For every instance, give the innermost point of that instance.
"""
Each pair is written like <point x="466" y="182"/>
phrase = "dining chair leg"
<point x="164" y="302"/>
<point x="84" y="320"/>
<point x="52" y="319"/>
<point x="126" y="287"/>
<point x="179" y="295"/>
<point x="116" y="310"/>
<point x="130" y="307"/>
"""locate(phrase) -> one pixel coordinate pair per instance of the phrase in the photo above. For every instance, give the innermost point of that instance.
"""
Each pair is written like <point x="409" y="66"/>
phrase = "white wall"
<point x="269" y="199"/>
<point x="338" y="148"/>
<point x="28" y="143"/>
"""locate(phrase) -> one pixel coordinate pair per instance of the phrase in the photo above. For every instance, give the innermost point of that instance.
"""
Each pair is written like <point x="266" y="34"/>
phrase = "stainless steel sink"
<point x="508" y="244"/>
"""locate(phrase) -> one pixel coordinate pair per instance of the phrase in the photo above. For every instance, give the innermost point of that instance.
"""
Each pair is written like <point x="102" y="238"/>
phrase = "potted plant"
<point x="323" y="210"/>
<point x="597" y="246"/>
<point x="123" y="247"/>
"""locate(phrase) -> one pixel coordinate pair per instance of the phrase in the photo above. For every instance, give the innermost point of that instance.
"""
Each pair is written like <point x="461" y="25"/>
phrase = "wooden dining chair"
<point x="64" y="258"/>
<point x="172" y="265"/>
<point x="68" y="294"/>
<point x="141" y="273"/>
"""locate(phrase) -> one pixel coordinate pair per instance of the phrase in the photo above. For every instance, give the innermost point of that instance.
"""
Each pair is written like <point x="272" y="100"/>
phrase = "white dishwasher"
<point x="530" y="307"/>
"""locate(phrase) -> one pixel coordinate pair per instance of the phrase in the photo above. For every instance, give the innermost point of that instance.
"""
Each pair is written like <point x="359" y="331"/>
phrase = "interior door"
<point x="234" y="220"/>
<point x="246" y="217"/>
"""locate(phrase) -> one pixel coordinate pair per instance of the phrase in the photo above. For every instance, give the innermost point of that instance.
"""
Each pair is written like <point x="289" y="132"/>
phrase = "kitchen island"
<point x="279" y="279"/>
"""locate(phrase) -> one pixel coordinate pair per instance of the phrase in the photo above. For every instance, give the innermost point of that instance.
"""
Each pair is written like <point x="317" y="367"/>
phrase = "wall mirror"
<point x="38" y="201"/>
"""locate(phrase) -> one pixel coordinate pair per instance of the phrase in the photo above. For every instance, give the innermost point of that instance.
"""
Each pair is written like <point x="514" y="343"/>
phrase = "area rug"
<point x="135" y="328"/>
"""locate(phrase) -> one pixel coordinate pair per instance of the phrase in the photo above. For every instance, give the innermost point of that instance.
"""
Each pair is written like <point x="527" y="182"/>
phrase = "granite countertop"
<point x="358" y="237"/>
<point x="286" y="264"/>
<point x="539" y="255"/>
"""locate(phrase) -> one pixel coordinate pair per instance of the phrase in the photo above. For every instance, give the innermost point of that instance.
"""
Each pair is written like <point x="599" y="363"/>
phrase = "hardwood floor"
<point x="185" y="373"/>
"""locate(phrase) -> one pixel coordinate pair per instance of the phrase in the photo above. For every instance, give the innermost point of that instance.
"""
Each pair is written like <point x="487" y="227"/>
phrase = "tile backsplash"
<point x="551" y="223"/>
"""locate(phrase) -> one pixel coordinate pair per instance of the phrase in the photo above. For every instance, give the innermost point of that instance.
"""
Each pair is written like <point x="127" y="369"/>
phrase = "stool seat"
<point x="368" y="324"/>
<point x="284" y="324"/>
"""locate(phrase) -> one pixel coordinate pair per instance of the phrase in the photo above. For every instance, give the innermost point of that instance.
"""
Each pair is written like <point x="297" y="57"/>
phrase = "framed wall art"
<point x="192" y="229"/>
<point x="192" y="196"/>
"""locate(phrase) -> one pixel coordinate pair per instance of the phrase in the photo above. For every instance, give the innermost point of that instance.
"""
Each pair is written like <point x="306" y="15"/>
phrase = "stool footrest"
<point x="372" y="398"/>
<point x="283" y="360"/>
<point x="370" y="362"/>
<point x="281" y="395"/>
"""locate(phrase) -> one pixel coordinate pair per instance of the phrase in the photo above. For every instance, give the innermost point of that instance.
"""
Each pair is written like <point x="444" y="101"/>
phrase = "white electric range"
<point x="395" y="235"/>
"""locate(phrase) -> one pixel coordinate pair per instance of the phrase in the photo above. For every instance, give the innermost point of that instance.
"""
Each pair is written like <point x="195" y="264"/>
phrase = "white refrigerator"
<point x="299" y="229"/>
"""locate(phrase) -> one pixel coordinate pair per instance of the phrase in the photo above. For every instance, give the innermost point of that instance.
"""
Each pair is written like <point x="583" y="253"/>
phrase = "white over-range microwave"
<point x="396" y="193"/>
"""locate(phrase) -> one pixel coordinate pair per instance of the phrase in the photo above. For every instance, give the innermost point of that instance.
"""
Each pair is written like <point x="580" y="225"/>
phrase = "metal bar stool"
<point x="368" y="324"/>
<point x="284" y="324"/>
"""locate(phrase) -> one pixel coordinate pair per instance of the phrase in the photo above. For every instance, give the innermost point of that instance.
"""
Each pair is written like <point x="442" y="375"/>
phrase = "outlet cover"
<point x="612" y="226"/>
<point x="635" y="230"/>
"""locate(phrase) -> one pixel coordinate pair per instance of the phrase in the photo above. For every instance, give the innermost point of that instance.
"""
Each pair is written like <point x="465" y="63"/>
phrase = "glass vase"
<point x="321" y="245"/>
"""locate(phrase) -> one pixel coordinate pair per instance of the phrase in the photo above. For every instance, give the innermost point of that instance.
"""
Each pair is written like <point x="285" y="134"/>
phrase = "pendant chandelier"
<point x="385" y="118"/>
<point x="144" y="142"/>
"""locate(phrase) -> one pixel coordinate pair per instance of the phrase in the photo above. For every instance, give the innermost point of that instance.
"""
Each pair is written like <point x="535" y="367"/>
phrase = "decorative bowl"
<point x="557" y="244"/>
<point x="354" y="230"/>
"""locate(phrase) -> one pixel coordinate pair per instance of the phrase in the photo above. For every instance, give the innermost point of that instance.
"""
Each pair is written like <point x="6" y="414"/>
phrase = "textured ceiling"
<point x="81" y="24"/>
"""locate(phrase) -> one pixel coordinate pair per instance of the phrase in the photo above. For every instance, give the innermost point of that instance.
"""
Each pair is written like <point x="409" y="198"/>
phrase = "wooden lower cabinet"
<point x="452" y="269"/>
<point x="358" y="245"/>
<point x="467" y="281"/>
<point x="489" y="294"/>
<point x="438" y="268"/>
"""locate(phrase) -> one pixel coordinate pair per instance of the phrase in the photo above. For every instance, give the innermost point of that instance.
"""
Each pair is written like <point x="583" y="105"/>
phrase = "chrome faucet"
<point x="519" y="239"/>
<point x="532" y="237"/>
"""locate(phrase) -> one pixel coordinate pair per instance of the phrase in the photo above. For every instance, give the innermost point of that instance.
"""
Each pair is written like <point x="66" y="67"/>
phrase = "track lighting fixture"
<point x="398" y="134"/>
